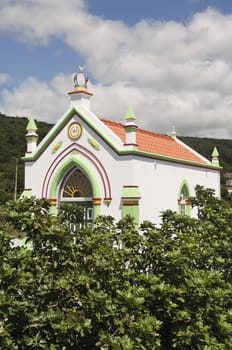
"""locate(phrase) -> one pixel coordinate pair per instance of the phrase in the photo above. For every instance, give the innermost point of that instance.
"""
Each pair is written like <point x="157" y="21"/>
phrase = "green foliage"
<point x="191" y="260"/>
<point x="205" y="147"/>
<point x="12" y="148"/>
<point x="114" y="287"/>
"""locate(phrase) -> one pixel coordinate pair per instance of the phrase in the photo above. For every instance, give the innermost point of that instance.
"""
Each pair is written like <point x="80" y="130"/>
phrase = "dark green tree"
<point x="114" y="286"/>
<point x="191" y="261"/>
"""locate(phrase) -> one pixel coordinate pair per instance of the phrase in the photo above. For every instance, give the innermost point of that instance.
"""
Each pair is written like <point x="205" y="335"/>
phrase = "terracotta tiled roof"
<point x="158" y="144"/>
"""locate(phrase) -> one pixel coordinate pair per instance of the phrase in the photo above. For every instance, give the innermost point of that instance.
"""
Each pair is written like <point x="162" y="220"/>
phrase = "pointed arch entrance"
<point x="76" y="188"/>
<point x="76" y="181"/>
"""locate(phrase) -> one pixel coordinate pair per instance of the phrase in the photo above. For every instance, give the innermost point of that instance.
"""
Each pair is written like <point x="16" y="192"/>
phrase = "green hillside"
<point x="205" y="147"/>
<point x="13" y="146"/>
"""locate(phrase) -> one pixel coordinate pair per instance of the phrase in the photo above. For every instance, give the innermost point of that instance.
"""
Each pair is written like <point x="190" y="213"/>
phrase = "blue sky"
<point x="169" y="59"/>
<point x="132" y="11"/>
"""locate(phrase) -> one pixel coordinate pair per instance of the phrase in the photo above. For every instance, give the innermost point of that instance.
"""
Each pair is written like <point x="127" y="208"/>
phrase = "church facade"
<point x="113" y="168"/>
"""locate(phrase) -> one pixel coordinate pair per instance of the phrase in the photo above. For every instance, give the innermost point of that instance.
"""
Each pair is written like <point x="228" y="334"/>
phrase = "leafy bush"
<point x="116" y="287"/>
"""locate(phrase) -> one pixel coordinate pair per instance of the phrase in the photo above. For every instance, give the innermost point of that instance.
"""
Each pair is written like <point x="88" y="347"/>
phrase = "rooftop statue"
<point x="80" y="78"/>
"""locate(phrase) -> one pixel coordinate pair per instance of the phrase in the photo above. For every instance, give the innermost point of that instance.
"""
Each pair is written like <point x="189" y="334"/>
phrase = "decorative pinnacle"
<point x="173" y="133"/>
<point x="130" y="114"/>
<point x="215" y="157"/>
<point x="215" y="153"/>
<point x="31" y="125"/>
<point x="80" y="79"/>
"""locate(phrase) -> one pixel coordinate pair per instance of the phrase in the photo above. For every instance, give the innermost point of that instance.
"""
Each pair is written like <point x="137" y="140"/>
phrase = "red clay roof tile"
<point x="158" y="144"/>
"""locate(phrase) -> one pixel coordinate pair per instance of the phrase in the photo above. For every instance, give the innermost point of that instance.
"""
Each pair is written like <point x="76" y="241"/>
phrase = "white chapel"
<point x="113" y="168"/>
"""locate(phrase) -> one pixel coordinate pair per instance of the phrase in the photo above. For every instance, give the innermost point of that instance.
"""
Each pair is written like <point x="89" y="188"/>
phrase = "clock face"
<point x="74" y="131"/>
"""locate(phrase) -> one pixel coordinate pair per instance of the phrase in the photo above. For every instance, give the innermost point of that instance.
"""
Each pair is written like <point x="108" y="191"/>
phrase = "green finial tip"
<point x="215" y="153"/>
<point x="31" y="124"/>
<point x="130" y="114"/>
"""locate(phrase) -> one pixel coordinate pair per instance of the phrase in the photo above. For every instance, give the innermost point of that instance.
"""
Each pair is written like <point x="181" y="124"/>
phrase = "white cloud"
<point x="171" y="73"/>
<point x="37" y="99"/>
<point x="4" y="78"/>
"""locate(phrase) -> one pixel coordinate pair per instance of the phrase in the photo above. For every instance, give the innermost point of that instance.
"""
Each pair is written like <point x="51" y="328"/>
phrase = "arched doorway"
<point x="76" y="188"/>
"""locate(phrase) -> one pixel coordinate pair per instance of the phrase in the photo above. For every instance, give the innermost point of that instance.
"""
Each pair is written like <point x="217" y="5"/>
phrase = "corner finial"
<point x="31" y="136"/>
<point x="81" y="78"/>
<point x="31" y="125"/>
<point x="173" y="133"/>
<point x="130" y="128"/>
<point x="215" y="157"/>
<point x="130" y="114"/>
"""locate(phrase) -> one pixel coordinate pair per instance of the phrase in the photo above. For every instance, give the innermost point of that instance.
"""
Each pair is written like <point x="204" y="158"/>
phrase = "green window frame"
<point x="184" y="205"/>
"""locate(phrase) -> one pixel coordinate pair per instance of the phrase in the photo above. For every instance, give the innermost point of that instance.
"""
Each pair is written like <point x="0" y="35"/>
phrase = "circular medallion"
<point x="74" y="131"/>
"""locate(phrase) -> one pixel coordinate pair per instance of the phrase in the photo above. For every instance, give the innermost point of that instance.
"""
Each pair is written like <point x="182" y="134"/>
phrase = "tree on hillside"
<point x="12" y="148"/>
<point x="114" y="287"/>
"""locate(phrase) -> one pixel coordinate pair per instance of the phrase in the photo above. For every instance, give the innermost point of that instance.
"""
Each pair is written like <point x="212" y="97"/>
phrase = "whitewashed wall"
<point x="159" y="181"/>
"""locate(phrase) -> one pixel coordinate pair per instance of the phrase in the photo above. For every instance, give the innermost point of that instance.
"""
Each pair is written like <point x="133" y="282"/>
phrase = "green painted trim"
<point x="131" y="195"/>
<point x="132" y="211"/>
<point x="215" y="157"/>
<point x="215" y="163"/>
<point x="73" y="161"/>
<point x="130" y="114"/>
<point x="96" y="211"/>
<point x="56" y="129"/>
<point x="173" y="160"/>
<point x="26" y="194"/>
<point x="131" y="192"/>
<point x="187" y="209"/>
<point x="184" y="184"/>
<point x="94" y="144"/>
<point x="215" y="152"/>
<point x="32" y="138"/>
<point x="51" y="135"/>
<point x="132" y="146"/>
<point x="53" y="210"/>
<point x="57" y="146"/>
<point x="130" y="128"/>
<point x="169" y="159"/>
<point x="31" y="125"/>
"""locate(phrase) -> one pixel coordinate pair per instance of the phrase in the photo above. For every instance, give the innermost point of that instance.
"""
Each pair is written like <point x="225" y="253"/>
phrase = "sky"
<point x="170" y="60"/>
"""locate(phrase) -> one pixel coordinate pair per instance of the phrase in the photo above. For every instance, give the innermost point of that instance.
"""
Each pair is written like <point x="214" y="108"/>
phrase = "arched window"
<point x="77" y="185"/>
<point x="76" y="188"/>
<point x="184" y="207"/>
